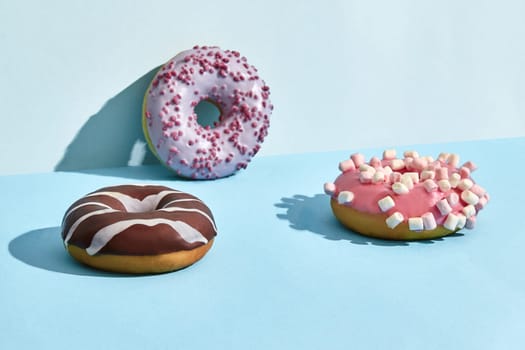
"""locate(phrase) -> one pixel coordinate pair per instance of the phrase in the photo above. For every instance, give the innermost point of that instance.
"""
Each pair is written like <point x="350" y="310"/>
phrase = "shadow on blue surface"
<point x="313" y="214"/>
<point x="43" y="248"/>
<point x="108" y="137"/>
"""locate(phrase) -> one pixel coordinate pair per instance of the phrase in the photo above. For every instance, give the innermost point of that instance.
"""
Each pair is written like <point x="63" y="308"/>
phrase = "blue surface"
<point x="283" y="274"/>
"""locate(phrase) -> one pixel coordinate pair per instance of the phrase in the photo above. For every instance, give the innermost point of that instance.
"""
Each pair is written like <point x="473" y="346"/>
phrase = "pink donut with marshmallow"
<point x="406" y="198"/>
<point x="170" y="123"/>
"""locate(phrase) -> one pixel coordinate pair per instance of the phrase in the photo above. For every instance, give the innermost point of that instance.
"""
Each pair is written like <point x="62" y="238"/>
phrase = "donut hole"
<point x="208" y="113"/>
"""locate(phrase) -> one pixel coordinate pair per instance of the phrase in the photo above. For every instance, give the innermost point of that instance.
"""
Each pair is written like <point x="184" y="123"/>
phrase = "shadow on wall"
<point x="112" y="137"/>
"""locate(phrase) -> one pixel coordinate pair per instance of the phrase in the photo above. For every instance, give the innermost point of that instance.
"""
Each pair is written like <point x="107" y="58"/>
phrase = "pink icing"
<point x="224" y="78"/>
<point x="417" y="202"/>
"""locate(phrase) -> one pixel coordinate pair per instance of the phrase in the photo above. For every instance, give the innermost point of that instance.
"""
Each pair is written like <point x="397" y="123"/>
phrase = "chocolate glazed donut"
<point x="138" y="229"/>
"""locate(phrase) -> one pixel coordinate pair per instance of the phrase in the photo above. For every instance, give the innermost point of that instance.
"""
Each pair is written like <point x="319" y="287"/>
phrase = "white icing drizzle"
<point x="134" y="205"/>
<point x="104" y="235"/>
<point x="182" y="200"/>
<point x="192" y="210"/>
<point x="83" y="205"/>
<point x="73" y="227"/>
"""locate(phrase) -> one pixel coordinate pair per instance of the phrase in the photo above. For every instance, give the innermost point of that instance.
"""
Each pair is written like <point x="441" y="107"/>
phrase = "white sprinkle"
<point x="469" y="197"/>
<point x="386" y="203"/>
<point x="430" y="185"/>
<point x="444" y="207"/>
<point x="395" y="219"/>
<point x="469" y="210"/>
<point x="451" y="222"/>
<point x="444" y="185"/>
<point x="415" y="224"/>
<point x="345" y="197"/>
<point x="429" y="222"/>
<point x="329" y="188"/>
<point x="400" y="188"/>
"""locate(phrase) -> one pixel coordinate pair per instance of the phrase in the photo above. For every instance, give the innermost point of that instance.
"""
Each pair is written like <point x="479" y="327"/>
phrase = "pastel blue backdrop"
<point x="343" y="74"/>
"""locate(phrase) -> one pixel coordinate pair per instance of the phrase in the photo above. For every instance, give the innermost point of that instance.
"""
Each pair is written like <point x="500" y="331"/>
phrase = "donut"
<point x="171" y="126"/>
<point x="138" y="229"/>
<point x="409" y="198"/>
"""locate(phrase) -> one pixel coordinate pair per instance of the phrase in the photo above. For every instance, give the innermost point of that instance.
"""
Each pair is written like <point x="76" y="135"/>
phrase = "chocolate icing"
<point x="138" y="239"/>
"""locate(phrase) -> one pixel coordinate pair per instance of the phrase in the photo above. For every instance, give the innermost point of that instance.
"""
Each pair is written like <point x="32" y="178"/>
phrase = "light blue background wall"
<point x="343" y="74"/>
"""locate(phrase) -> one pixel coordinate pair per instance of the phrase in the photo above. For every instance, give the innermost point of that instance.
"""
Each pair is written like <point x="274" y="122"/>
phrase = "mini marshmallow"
<point x="395" y="177"/>
<point x="453" y="198"/>
<point x="395" y="219"/>
<point x="454" y="180"/>
<point x="366" y="167"/>
<point x="358" y="159"/>
<point x="442" y="174"/>
<point x="481" y="204"/>
<point x="462" y="220"/>
<point x="444" y="185"/>
<point x="451" y="222"/>
<point x="345" y="197"/>
<point x="469" y="197"/>
<point x="428" y="174"/>
<point x="464" y="172"/>
<point x="378" y="177"/>
<point x="471" y="222"/>
<point x="443" y="157"/>
<point x="407" y="181"/>
<point x="397" y="164"/>
<point x="386" y="203"/>
<point x="429" y="222"/>
<point x="478" y="190"/>
<point x="408" y="163"/>
<point x="387" y="170"/>
<point x="465" y="184"/>
<point x="430" y="185"/>
<point x="347" y="165"/>
<point x="365" y="177"/>
<point x="429" y="159"/>
<point x="413" y="175"/>
<point x="389" y="154"/>
<point x="444" y="207"/>
<point x="453" y="159"/>
<point x="419" y="163"/>
<point x="415" y="224"/>
<point x="469" y="211"/>
<point x="412" y="154"/>
<point x="470" y="165"/>
<point x="375" y="162"/>
<point x="400" y="188"/>
<point x="329" y="188"/>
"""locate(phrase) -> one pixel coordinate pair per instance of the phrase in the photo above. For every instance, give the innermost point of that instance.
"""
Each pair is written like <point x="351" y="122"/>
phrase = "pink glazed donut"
<point x="170" y="124"/>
